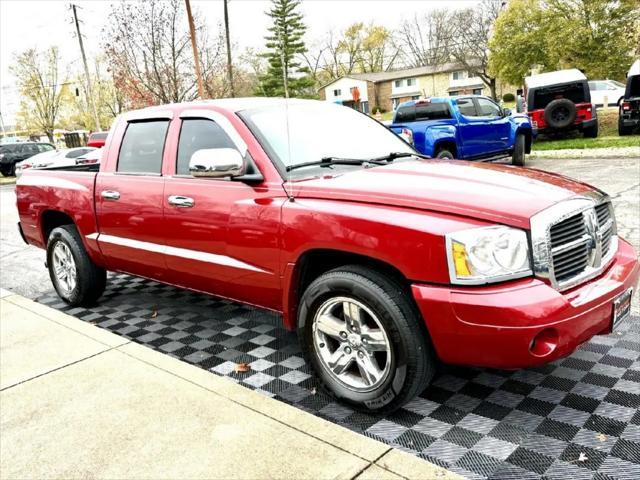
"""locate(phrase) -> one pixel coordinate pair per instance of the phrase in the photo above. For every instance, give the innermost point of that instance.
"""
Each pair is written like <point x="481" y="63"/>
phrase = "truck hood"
<point x="496" y="193"/>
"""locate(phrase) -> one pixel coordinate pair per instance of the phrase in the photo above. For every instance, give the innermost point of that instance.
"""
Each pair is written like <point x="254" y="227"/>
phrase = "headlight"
<point x="487" y="254"/>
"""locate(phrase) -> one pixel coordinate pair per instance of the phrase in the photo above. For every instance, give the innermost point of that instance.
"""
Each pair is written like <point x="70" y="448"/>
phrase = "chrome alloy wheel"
<point x="64" y="268"/>
<point x="352" y="345"/>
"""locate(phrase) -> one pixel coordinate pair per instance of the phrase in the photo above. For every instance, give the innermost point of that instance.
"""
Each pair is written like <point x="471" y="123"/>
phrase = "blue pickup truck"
<point x="467" y="127"/>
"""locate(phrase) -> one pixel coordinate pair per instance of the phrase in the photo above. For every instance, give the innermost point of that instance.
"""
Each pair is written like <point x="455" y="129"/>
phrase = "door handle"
<point x="181" y="202"/>
<point x="110" y="195"/>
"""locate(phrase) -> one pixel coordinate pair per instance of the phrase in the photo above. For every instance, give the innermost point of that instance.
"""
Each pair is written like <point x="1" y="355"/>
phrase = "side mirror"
<point x="216" y="163"/>
<point x="506" y="112"/>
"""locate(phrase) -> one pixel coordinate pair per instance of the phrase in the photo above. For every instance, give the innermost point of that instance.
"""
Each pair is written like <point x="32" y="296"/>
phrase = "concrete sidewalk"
<point x="79" y="402"/>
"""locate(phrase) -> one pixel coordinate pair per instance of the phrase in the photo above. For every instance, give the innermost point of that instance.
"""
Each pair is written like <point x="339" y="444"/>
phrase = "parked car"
<point x="53" y="159"/>
<point x="559" y="102"/>
<point x="383" y="262"/>
<point x="12" y="153"/>
<point x="92" y="157"/>
<point x="629" y="109"/>
<point x="610" y="90"/>
<point x="97" y="139"/>
<point x="470" y="128"/>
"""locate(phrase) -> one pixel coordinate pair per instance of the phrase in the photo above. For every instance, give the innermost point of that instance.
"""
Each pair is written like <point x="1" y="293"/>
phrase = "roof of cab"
<point x="635" y="69"/>
<point x="554" y="78"/>
<point x="231" y="104"/>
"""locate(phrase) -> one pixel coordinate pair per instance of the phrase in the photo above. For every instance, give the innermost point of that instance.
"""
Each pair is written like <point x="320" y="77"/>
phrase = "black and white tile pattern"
<point x="576" y="418"/>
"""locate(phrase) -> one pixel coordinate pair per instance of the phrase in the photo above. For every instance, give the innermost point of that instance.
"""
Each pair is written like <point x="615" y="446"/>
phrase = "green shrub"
<point x="508" y="97"/>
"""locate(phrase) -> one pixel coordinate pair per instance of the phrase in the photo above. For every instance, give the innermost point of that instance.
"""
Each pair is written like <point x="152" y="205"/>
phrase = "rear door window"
<point x="142" y="147"/>
<point x="466" y="107"/>
<point x="199" y="134"/>
<point x="432" y="111"/>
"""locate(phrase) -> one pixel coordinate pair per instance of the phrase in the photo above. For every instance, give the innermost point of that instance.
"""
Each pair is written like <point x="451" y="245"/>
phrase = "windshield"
<point x="319" y="130"/>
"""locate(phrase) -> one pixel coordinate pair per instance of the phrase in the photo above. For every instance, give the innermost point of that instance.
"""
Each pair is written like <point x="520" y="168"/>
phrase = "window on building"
<point x="337" y="92"/>
<point x="415" y="97"/>
<point x="453" y="93"/>
<point x="398" y="83"/>
<point x="477" y="91"/>
<point x="199" y="134"/>
<point x="394" y="103"/>
<point x="411" y="82"/>
<point x="142" y="147"/>
<point x="466" y="107"/>
<point x="364" y="106"/>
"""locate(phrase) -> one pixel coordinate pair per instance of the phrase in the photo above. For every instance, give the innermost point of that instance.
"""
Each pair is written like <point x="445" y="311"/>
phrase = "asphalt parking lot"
<point x="576" y="417"/>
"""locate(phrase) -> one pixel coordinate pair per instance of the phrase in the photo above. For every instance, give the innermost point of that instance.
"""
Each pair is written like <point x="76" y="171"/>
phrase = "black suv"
<point x="12" y="153"/>
<point x="629" y="107"/>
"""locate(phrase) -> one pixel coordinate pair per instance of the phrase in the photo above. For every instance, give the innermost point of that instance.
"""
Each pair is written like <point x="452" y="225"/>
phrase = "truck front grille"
<point x="576" y="244"/>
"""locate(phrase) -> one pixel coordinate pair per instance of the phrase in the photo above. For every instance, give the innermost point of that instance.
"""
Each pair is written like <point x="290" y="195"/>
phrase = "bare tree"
<point x="148" y="46"/>
<point x="472" y="30"/>
<point x="425" y="39"/>
<point x="41" y="87"/>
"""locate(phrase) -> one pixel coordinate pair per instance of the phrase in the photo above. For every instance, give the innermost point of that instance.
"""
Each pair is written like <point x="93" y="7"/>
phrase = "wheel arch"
<point x="528" y="138"/>
<point x="50" y="219"/>
<point x="314" y="262"/>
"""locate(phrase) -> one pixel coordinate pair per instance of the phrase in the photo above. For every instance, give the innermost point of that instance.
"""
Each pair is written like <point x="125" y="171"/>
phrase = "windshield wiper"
<point x="393" y="155"/>
<point x="328" y="161"/>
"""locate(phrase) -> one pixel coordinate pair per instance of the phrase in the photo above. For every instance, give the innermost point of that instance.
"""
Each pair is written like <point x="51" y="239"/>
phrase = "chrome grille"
<point x="574" y="240"/>
<point x="569" y="248"/>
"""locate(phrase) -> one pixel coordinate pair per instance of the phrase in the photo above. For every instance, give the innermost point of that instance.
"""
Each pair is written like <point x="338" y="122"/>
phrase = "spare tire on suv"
<point x="560" y="113"/>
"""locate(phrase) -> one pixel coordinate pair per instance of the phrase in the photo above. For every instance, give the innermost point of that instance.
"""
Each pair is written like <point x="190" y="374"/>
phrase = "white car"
<point x="612" y="90"/>
<point x="55" y="158"/>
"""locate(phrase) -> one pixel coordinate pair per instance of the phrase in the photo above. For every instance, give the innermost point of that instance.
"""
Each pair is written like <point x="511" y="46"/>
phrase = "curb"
<point x="379" y="460"/>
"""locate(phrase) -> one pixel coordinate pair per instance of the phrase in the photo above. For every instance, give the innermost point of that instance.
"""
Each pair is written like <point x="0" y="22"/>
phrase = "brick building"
<point x="387" y="89"/>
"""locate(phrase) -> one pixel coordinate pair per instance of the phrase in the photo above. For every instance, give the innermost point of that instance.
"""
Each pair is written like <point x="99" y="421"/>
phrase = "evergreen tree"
<point x="285" y="76"/>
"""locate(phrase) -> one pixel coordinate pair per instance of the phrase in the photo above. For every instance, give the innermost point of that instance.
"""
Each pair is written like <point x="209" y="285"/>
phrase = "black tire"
<point x="4" y="172"/>
<point x="560" y="113"/>
<point x="591" y="132"/>
<point x="444" y="153"/>
<point x="412" y="363"/>
<point x="91" y="279"/>
<point x="519" y="148"/>
<point x="623" y="129"/>
<point x="8" y="170"/>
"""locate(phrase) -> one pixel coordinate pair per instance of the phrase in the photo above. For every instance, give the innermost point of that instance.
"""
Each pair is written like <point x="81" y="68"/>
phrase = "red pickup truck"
<point x="383" y="261"/>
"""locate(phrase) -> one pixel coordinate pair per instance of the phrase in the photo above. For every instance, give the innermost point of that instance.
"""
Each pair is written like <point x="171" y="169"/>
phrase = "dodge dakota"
<point x="383" y="261"/>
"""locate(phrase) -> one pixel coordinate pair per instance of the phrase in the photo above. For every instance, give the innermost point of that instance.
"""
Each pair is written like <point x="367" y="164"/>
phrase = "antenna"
<point x="286" y="110"/>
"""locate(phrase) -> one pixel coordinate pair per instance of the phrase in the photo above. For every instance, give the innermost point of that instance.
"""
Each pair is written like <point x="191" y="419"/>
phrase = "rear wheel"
<point x="443" y="152"/>
<point x="8" y="170"/>
<point x="591" y="132"/>
<point x="517" y="158"/>
<point x="623" y="129"/>
<point x="77" y="280"/>
<point x="365" y="338"/>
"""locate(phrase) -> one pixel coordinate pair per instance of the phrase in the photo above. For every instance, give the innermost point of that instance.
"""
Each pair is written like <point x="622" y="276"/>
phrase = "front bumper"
<point x="495" y="326"/>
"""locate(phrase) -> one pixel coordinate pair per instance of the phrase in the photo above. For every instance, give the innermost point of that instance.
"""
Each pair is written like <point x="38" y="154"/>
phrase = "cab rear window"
<point x="423" y="111"/>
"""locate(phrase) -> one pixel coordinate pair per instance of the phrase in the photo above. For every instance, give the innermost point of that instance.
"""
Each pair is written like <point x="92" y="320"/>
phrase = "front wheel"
<point x="519" y="147"/>
<point x="365" y="339"/>
<point x="77" y="280"/>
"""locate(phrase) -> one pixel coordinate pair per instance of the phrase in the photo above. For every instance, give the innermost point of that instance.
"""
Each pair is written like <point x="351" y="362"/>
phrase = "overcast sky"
<point x="42" y="23"/>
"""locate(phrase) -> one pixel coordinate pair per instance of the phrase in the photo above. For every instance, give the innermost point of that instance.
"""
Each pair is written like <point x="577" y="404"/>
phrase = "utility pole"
<point x="229" y="67"/>
<point x="194" y="45"/>
<point x="90" y="101"/>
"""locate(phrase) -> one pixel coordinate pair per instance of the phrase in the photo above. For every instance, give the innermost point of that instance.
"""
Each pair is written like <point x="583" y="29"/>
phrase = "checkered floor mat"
<point x="576" y="418"/>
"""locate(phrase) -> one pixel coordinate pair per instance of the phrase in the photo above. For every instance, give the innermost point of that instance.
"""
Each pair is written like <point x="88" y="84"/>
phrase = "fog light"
<point x="544" y="343"/>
